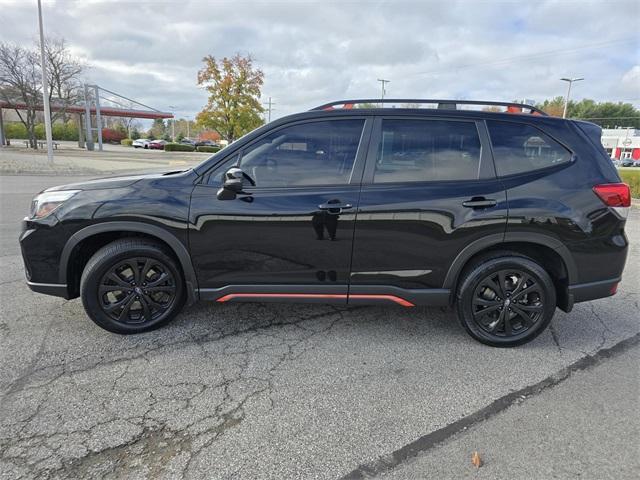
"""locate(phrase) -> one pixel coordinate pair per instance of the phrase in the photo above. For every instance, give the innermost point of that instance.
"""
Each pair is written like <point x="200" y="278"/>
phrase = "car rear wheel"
<point x="505" y="301"/>
<point x="132" y="286"/>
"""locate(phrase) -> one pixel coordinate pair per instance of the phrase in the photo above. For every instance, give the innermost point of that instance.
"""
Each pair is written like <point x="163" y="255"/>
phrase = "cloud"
<point x="631" y="83"/>
<point x="316" y="51"/>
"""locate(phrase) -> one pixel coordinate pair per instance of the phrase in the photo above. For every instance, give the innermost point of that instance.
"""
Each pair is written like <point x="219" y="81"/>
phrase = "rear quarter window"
<point x="521" y="148"/>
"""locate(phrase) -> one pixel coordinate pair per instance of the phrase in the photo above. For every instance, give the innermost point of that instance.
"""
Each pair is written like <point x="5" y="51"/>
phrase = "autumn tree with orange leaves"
<point x="234" y="84"/>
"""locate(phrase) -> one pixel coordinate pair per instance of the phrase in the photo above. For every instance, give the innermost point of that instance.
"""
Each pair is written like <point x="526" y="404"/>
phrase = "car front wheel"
<point x="131" y="286"/>
<point x="505" y="301"/>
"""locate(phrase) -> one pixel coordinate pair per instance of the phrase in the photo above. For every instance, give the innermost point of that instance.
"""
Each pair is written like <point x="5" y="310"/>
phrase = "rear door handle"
<point x="480" y="202"/>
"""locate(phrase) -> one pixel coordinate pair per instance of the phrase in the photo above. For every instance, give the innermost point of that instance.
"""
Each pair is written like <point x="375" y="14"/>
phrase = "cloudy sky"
<point x="312" y="52"/>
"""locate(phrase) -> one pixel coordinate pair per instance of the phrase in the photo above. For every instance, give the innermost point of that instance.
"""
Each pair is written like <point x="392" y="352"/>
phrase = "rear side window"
<point x="427" y="150"/>
<point x="520" y="148"/>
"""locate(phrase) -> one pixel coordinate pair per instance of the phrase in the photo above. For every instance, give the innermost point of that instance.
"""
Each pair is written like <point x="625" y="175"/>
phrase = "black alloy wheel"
<point x="137" y="291"/>
<point x="505" y="300"/>
<point x="507" y="303"/>
<point x="131" y="286"/>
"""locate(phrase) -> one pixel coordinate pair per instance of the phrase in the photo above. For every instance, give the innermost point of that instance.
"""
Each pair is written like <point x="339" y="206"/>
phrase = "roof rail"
<point x="441" y="104"/>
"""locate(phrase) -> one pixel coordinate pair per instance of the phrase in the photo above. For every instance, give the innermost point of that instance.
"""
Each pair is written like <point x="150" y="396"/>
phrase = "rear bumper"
<point x="583" y="292"/>
<point x="55" y="289"/>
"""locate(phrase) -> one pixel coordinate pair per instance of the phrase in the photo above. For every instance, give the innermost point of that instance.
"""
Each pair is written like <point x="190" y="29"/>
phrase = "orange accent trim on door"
<point x="363" y="296"/>
<point x="392" y="298"/>
<point x="231" y="296"/>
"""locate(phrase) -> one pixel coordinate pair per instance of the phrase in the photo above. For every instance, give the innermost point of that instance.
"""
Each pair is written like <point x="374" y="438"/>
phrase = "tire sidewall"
<point x="91" y="279"/>
<point x="470" y="282"/>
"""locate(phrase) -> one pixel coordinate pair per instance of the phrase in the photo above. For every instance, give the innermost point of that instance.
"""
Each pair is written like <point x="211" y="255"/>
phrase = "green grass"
<point x="632" y="178"/>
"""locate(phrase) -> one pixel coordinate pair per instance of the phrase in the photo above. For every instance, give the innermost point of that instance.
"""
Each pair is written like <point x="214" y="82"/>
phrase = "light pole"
<point x="45" y="89"/>
<point x="566" y="99"/>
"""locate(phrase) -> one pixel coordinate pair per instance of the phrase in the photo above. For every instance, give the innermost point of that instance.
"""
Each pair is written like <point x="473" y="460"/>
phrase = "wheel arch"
<point x="552" y="254"/>
<point x="104" y="233"/>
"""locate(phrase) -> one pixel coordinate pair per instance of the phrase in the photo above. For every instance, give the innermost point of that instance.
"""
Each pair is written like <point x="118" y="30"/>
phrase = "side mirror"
<point x="233" y="183"/>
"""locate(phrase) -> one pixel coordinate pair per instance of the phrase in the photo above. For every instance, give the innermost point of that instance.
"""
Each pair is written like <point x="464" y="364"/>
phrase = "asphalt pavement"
<point x="310" y="391"/>
<point x="585" y="427"/>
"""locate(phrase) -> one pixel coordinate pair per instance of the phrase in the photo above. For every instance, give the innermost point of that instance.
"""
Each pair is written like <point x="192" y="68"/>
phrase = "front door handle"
<point x="335" y="208"/>
<point x="480" y="202"/>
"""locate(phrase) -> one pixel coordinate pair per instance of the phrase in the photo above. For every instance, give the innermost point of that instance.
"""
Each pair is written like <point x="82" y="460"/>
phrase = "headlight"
<point x="47" y="202"/>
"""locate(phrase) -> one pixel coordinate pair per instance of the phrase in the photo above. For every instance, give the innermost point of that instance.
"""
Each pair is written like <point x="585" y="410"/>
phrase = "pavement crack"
<point x="605" y="328"/>
<point x="554" y="336"/>
<point x="148" y="436"/>
<point x="391" y="460"/>
<point x="20" y="382"/>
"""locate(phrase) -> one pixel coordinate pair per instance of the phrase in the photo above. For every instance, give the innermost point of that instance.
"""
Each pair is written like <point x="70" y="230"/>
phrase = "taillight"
<point x="616" y="196"/>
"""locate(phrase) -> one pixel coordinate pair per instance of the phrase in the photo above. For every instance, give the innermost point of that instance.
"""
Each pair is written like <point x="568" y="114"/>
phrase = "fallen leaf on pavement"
<point x="476" y="460"/>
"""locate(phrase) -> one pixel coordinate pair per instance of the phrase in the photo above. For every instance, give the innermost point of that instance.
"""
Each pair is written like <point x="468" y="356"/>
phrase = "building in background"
<point x="213" y="136"/>
<point x="622" y="143"/>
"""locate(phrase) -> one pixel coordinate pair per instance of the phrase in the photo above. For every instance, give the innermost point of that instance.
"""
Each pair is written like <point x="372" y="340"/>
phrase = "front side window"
<point x="427" y="150"/>
<point x="314" y="153"/>
<point x="520" y="148"/>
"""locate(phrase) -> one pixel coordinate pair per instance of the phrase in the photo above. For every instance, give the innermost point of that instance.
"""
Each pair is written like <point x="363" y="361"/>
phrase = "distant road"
<point x="16" y="192"/>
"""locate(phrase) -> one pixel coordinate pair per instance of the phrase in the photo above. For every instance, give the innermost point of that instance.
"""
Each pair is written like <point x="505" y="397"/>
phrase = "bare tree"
<point x="21" y="81"/>
<point x="128" y="124"/>
<point x="64" y="72"/>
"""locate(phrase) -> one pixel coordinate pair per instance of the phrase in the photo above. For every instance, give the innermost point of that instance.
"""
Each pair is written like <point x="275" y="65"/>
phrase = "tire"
<point x="513" y="314"/>
<point x="132" y="286"/>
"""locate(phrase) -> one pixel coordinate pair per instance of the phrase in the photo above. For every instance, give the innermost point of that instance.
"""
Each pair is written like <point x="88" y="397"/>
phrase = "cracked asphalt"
<point x="258" y="390"/>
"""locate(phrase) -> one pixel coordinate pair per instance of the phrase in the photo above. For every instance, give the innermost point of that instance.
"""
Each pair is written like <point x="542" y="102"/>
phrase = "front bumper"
<point x="41" y="244"/>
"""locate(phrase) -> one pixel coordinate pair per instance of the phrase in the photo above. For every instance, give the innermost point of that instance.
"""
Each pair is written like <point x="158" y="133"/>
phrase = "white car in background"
<point x="141" y="143"/>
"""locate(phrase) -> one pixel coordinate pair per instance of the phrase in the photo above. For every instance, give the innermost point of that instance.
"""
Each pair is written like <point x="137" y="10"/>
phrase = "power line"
<point x="506" y="61"/>
<point x="604" y="118"/>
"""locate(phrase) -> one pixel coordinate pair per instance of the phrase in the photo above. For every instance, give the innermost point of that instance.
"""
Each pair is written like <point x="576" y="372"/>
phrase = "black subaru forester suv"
<point x="505" y="215"/>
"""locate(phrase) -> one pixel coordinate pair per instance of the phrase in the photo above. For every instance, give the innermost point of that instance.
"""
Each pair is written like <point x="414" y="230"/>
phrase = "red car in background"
<point x="157" y="144"/>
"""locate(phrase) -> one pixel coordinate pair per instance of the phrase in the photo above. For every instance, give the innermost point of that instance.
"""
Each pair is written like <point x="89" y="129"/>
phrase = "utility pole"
<point x="45" y="89"/>
<point x="173" y="123"/>
<point x="383" y="90"/>
<point x="269" y="108"/>
<point x="566" y="99"/>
